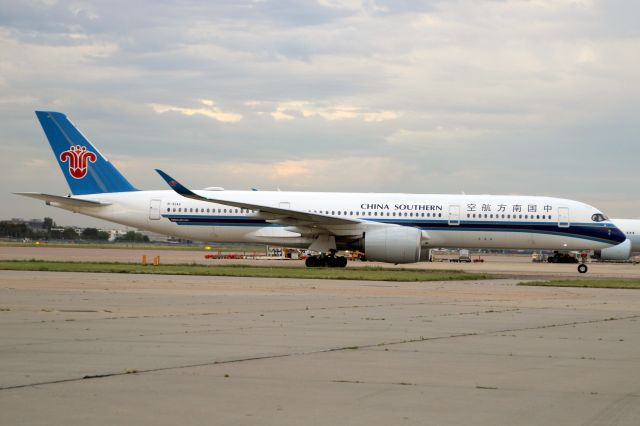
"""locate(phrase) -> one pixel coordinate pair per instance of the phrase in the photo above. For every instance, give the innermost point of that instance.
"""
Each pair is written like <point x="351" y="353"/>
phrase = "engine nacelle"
<point x="620" y="252"/>
<point x="393" y="245"/>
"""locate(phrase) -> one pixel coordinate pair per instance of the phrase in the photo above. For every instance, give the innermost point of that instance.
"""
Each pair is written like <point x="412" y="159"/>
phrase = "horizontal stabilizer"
<point x="58" y="199"/>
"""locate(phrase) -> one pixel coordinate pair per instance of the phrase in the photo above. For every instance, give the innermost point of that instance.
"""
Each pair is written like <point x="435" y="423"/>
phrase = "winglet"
<point x="176" y="186"/>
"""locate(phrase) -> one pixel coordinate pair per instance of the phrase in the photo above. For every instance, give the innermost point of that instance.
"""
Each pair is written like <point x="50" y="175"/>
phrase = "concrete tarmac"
<point x="103" y="349"/>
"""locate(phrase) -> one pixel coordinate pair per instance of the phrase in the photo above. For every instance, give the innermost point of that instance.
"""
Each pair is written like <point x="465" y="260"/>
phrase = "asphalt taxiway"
<point x="98" y="349"/>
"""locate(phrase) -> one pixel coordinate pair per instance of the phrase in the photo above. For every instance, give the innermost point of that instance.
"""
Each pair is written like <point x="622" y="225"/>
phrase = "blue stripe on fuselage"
<point x="588" y="231"/>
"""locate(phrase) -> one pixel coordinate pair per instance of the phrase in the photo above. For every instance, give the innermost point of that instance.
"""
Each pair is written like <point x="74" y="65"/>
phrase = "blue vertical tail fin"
<point x="86" y="170"/>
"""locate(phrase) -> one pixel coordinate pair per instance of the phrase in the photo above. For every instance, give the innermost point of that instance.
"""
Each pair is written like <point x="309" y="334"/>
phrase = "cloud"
<point x="439" y="137"/>
<point x="210" y="110"/>
<point x="291" y="110"/>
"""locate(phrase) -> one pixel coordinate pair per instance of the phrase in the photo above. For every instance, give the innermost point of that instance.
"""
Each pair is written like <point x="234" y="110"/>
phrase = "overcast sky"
<point x="537" y="97"/>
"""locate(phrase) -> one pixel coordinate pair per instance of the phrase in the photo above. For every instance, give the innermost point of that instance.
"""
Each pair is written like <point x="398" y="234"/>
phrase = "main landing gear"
<point x="326" y="260"/>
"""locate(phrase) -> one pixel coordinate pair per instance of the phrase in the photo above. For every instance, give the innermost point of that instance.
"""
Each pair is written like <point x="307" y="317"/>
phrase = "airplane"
<point x="624" y="250"/>
<point x="394" y="228"/>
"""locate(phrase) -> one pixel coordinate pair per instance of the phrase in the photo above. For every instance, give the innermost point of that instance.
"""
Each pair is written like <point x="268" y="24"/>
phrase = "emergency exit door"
<point x="454" y="215"/>
<point x="563" y="217"/>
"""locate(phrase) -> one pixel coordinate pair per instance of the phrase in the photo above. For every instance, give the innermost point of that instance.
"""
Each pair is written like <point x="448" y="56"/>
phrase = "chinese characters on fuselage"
<point x="508" y="208"/>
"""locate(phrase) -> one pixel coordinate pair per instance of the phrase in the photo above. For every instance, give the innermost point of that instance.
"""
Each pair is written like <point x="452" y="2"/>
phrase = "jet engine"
<point x="393" y="245"/>
<point x="620" y="252"/>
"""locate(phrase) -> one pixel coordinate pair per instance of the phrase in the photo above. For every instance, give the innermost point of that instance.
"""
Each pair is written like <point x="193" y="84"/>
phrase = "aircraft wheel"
<point x="582" y="268"/>
<point x="314" y="262"/>
<point x="342" y="262"/>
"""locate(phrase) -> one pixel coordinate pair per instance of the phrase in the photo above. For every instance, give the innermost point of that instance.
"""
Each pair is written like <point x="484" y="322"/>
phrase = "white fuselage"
<point x="472" y="221"/>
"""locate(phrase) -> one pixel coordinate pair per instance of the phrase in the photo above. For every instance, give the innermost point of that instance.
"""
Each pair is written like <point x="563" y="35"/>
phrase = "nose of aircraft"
<point x="617" y="235"/>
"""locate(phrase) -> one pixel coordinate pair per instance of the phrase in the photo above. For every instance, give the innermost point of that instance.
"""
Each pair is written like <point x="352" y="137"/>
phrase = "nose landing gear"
<point x="582" y="267"/>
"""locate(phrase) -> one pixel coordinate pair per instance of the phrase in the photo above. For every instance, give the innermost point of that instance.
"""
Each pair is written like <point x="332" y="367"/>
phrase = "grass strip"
<point x="364" y="273"/>
<point x="140" y="246"/>
<point x="588" y="283"/>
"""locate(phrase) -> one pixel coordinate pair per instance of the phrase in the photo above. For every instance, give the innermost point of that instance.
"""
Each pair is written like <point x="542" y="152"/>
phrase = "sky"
<point x="494" y="97"/>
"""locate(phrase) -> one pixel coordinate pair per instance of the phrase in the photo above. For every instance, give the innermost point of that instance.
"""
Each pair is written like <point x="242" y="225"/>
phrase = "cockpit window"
<point x="599" y="217"/>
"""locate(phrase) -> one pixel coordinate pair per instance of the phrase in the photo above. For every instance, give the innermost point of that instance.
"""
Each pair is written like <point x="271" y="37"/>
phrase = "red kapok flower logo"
<point x="78" y="158"/>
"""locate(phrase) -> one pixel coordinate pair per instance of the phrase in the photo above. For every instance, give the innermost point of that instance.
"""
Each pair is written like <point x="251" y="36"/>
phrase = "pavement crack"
<point x="307" y="353"/>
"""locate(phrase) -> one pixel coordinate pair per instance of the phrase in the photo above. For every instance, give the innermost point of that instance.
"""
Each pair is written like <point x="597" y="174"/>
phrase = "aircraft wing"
<point x="285" y="213"/>
<point x="58" y="199"/>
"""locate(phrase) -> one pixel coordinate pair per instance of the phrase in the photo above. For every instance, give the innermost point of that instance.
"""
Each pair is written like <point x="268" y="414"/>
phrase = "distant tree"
<point x="89" y="234"/>
<point x="48" y="223"/>
<point x="69" y="234"/>
<point x="103" y="236"/>
<point x="134" y="237"/>
<point x="14" y="230"/>
<point x="56" y="233"/>
<point x="129" y="236"/>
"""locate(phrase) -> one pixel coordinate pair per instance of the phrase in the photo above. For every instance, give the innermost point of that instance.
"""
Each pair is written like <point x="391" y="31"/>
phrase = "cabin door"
<point x="154" y="209"/>
<point x="563" y="217"/>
